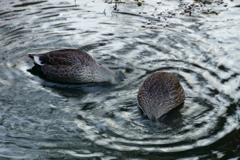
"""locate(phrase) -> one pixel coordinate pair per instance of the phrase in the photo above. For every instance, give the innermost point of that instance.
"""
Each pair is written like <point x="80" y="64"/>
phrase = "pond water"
<point x="46" y="120"/>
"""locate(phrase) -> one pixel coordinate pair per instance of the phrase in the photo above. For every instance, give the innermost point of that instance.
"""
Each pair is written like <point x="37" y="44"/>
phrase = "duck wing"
<point x="66" y="57"/>
<point x="71" y="74"/>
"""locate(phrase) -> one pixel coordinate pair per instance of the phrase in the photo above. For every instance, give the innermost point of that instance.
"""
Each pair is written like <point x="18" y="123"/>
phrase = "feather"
<point x="72" y="66"/>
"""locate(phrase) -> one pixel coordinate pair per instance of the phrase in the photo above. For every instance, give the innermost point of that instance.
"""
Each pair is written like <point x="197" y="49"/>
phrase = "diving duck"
<point x="160" y="93"/>
<point x="72" y="66"/>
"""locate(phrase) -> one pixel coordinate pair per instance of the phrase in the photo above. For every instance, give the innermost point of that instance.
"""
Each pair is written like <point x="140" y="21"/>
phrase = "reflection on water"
<point x="40" y="119"/>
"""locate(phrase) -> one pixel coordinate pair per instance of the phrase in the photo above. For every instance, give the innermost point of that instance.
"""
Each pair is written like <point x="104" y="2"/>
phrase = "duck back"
<point x="72" y="66"/>
<point x="160" y="93"/>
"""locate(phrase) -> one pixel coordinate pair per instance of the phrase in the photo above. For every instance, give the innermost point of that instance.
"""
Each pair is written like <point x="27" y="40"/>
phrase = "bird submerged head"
<point x="109" y="76"/>
<point x="154" y="111"/>
<point x="114" y="79"/>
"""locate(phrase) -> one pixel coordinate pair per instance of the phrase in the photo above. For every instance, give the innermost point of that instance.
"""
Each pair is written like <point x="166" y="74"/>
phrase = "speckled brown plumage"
<point x="72" y="66"/>
<point x="160" y="93"/>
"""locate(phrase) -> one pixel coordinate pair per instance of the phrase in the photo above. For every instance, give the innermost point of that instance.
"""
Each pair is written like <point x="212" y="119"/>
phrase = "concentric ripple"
<point x="40" y="119"/>
<point x="209" y="113"/>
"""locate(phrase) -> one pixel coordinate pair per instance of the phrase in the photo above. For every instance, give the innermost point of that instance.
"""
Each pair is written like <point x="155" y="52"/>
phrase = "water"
<point x="45" y="120"/>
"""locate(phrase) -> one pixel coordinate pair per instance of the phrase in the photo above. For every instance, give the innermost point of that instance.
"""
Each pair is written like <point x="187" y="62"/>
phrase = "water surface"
<point x="47" y="120"/>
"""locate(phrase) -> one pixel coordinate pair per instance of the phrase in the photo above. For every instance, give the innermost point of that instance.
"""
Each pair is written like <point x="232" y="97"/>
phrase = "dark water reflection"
<point x="45" y="120"/>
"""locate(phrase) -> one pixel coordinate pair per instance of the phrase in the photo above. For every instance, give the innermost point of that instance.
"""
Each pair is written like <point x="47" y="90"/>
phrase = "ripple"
<point x="197" y="124"/>
<point x="28" y="4"/>
<point x="44" y="120"/>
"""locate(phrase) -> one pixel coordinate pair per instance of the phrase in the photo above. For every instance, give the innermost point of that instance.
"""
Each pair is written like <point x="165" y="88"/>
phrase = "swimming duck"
<point x="72" y="66"/>
<point x="160" y="93"/>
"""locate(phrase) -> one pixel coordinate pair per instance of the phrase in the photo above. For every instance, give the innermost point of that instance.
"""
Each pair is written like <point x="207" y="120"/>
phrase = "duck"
<point x="160" y="93"/>
<point x="72" y="66"/>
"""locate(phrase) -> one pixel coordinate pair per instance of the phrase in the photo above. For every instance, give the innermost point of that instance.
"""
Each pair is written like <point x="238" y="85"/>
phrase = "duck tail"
<point x="37" y="66"/>
<point x="30" y="56"/>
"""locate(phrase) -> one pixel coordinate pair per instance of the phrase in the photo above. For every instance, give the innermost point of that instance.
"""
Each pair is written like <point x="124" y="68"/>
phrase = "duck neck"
<point x="107" y="75"/>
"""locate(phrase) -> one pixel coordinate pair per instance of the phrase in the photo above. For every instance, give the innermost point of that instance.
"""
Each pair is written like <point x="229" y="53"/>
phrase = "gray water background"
<point x="47" y="120"/>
